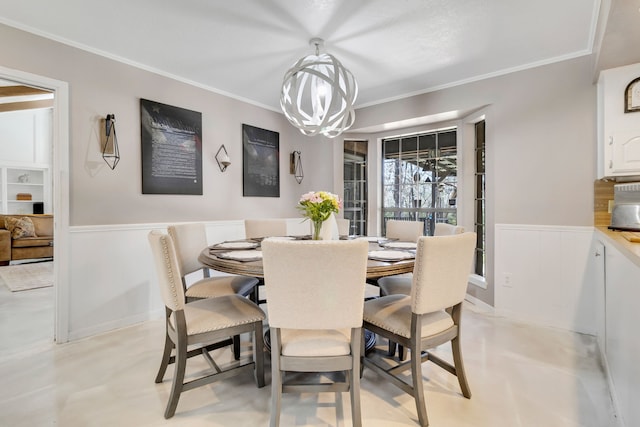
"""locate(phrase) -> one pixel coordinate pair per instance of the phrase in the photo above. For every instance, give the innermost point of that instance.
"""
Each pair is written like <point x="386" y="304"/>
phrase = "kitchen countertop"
<point x="629" y="249"/>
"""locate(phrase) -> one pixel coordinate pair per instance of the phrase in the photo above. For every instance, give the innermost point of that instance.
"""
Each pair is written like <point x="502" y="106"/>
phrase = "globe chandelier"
<point x="318" y="93"/>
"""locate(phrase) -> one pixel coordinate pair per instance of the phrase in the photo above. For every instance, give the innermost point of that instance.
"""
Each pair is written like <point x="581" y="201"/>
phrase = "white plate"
<point x="400" y="245"/>
<point x="390" y="255"/>
<point x="244" y="256"/>
<point x="236" y="245"/>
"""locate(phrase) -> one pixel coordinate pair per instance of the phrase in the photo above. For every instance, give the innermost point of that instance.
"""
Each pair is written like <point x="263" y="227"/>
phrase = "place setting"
<point x="390" y="255"/>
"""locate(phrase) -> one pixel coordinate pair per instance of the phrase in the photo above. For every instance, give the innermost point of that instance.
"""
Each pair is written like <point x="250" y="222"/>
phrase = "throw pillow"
<point x="20" y="227"/>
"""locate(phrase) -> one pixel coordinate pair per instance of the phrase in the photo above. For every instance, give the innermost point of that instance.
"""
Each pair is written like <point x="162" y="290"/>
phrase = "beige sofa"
<point x="28" y="247"/>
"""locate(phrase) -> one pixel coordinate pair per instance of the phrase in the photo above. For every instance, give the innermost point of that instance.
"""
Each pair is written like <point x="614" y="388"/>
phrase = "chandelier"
<point x="318" y="94"/>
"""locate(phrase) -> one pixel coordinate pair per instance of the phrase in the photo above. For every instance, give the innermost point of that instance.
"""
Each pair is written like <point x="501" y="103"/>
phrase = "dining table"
<point x="387" y="257"/>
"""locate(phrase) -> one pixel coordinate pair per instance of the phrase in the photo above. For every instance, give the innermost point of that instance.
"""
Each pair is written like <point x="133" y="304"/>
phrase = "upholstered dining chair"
<point x="402" y="284"/>
<point x="200" y="325"/>
<point x="406" y="231"/>
<point x="392" y="285"/>
<point x="429" y="317"/>
<point x="189" y="240"/>
<point x="268" y="227"/>
<point x="344" y="226"/>
<point x="315" y="290"/>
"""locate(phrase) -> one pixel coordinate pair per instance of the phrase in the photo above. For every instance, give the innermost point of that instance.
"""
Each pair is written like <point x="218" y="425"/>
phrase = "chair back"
<point x="405" y="231"/>
<point x="167" y="270"/>
<point x="315" y="284"/>
<point x="329" y="230"/>
<point x="264" y="228"/>
<point x="344" y="226"/>
<point x="189" y="240"/>
<point x="441" y="272"/>
<point x="444" y="229"/>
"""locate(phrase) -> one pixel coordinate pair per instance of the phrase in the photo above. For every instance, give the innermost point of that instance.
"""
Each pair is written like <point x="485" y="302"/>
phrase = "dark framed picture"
<point x="171" y="149"/>
<point x="260" y="162"/>
<point x="632" y="96"/>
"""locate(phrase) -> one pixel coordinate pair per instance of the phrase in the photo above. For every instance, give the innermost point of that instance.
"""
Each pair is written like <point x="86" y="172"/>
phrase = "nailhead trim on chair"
<point x="165" y="251"/>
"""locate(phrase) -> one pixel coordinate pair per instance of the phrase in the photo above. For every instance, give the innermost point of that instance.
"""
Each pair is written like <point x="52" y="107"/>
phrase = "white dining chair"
<point x="428" y="317"/>
<point x="405" y="231"/>
<point x="266" y="227"/>
<point x="392" y="285"/>
<point x="315" y="290"/>
<point x="196" y="327"/>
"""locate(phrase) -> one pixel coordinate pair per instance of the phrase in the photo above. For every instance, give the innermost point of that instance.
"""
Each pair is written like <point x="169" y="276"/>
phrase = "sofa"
<point x="25" y="237"/>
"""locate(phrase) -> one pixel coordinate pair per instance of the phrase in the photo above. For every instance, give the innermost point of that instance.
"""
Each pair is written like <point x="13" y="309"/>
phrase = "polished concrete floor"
<point x="519" y="374"/>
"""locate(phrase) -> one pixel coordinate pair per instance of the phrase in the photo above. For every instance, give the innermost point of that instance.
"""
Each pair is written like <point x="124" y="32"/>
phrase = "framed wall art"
<point x="632" y="96"/>
<point x="260" y="162"/>
<point x="171" y="149"/>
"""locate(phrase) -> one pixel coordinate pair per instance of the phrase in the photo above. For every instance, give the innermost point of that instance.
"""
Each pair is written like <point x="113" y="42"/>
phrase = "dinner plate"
<point x="244" y="256"/>
<point x="399" y="245"/>
<point x="390" y="256"/>
<point x="236" y="245"/>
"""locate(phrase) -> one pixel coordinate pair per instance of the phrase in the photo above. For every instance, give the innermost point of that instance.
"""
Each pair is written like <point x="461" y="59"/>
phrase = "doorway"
<point x="58" y="316"/>
<point x="27" y="296"/>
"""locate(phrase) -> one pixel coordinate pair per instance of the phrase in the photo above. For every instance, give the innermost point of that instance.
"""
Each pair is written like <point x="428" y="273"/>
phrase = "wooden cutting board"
<point x="632" y="237"/>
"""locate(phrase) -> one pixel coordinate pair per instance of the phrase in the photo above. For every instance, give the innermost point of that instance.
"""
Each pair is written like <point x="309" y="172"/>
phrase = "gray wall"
<point x="99" y="86"/>
<point x="541" y="144"/>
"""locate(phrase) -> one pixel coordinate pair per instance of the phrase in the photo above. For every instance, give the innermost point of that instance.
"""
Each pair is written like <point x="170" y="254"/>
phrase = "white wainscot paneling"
<point x="544" y="275"/>
<point x="112" y="277"/>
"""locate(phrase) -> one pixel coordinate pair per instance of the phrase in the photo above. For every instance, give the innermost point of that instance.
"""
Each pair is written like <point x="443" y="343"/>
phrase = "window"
<point x="420" y="178"/>
<point x="355" y="186"/>
<point x="480" y="197"/>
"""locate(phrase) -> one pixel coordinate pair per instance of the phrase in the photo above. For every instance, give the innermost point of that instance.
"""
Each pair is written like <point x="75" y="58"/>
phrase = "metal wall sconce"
<point x="295" y="166"/>
<point x="110" y="150"/>
<point x="222" y="157"/>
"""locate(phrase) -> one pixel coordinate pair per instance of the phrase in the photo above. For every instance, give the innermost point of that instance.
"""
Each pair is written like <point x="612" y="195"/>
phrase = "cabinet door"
<point x="625" y="152"/>
<point x="622" y="339"/>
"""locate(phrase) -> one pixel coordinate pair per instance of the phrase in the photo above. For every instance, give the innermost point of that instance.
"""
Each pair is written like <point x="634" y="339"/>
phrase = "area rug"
<point x="22" y="277"/>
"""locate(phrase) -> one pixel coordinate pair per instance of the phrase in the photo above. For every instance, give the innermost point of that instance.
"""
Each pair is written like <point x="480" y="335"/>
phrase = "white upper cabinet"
<point x="619" y="131"/>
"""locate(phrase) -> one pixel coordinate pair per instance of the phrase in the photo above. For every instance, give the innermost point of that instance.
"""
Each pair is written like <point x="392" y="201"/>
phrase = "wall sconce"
<point x="222" y="157"/>
<point x="295" y="166"/>
<point x="110" y="150"/>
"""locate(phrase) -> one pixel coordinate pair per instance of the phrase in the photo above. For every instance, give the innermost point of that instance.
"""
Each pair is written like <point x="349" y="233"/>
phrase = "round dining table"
<point x="217" y="257"/>
<point x="214" y="258"/>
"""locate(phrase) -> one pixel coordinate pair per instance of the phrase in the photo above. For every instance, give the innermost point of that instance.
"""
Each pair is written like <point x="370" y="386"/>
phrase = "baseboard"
<point x="479" y="304"/>
<point x="108" y="326"/>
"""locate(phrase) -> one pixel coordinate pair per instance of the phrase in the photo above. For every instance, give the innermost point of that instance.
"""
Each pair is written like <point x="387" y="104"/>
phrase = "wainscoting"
<point x="546" y="275"/>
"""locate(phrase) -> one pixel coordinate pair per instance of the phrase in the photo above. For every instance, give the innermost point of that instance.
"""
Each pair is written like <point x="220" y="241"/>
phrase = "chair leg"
<point x="418" y="390"/>
<point x="276" y="379"/>
<point x="166" y="355"/>
<point x="392" y="349"/>
<point x="178" y="377"/>
<point x="258" y="354"/>
<point x="168" y="346"/>
<point x="236" y="347"/>
<point x="457" y="362"/>
<point x="354" y="379"/>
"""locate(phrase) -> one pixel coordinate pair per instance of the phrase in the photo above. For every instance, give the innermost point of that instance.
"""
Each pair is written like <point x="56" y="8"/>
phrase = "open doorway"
<point x="27" y="295"/>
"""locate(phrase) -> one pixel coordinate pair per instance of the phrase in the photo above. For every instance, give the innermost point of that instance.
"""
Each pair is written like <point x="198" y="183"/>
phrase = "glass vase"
<point x="317" y="226"/>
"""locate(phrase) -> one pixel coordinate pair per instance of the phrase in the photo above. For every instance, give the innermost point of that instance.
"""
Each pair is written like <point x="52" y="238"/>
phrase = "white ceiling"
<point x="394" y="48"/>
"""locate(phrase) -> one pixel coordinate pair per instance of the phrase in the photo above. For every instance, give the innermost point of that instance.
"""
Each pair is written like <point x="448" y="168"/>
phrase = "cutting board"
<point x="632" y="237"/>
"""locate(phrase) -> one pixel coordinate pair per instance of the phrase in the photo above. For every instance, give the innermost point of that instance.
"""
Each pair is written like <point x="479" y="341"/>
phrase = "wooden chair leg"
<point x="392" y="349"/>
<point x="457" y="362"/>
<point x="258" y="354"/>
<point x="166" y="355"/>
<point x="236" y="347"/>
<point x="178" y="377"/>
<point x="418" y="390"/>
<point x="354" y="380"/>
<point x="276" y="379"/>
<point x="168" y="346"/>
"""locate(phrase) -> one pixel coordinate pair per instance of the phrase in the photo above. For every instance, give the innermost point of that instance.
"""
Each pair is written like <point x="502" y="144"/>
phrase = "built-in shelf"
<point x="21" y="180"/>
